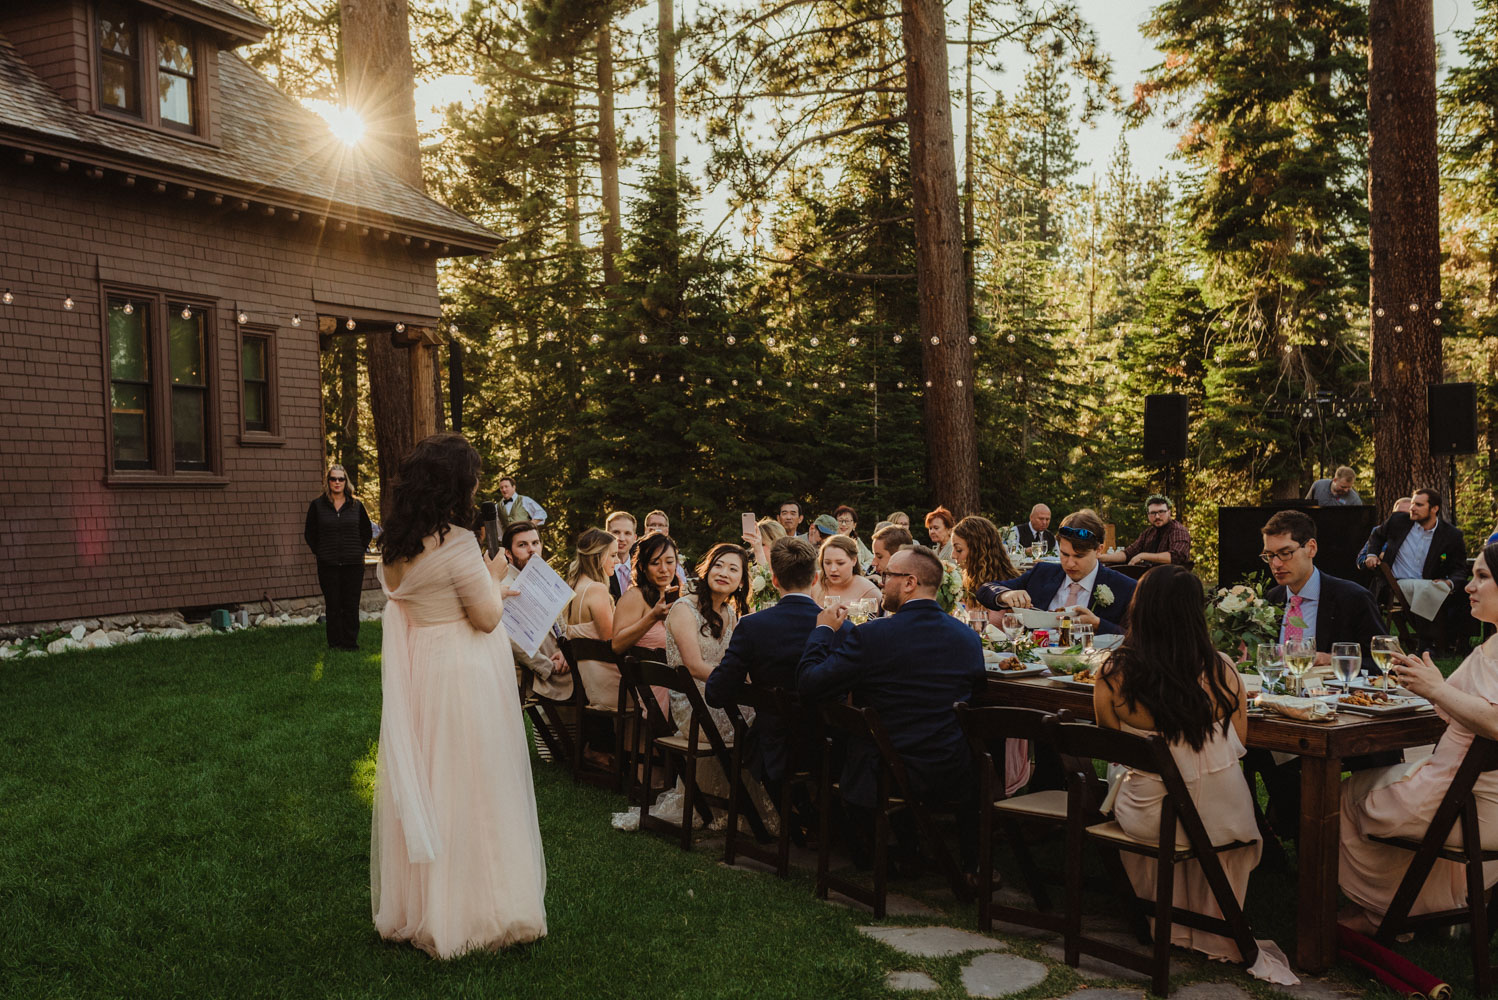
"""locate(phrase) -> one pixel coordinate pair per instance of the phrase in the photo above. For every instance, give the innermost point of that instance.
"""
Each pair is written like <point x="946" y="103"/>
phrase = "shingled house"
<point x="174" y="233"/>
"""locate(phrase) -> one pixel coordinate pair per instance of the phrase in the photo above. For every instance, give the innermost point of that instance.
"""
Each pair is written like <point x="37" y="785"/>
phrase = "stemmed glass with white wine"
<point x="1269" y="660"/>
<point x="1300" y="655"/>
<point x="1347" y="657"/>
<point x="1383" y="648"/>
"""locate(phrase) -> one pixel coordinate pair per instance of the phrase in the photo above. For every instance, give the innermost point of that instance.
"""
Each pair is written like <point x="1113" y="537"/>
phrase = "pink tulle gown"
<point x="455" y="854"/>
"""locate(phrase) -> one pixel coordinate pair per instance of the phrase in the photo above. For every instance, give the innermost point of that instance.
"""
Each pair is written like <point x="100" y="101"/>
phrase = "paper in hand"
<point x="529" y="614"/>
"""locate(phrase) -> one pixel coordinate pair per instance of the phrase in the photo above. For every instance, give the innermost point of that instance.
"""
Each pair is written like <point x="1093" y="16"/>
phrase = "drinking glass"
<point x="1382" y="648"/>
<point x="1083" y="634"/>
<point x="1012" y="625"/>
<point x="976" y="620"/>
<point x="1037" y="549"/>
<point x="1270" y="662"/>
<point x="1347" y="657"/>
<point x="1300" y="655"/>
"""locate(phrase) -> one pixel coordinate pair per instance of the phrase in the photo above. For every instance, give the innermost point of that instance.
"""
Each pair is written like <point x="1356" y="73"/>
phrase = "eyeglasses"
<point x="1085" y="534"/>
<point x="889" y="574"/>
<point x="1283" y="555"/>
<point x="337" y="479"/>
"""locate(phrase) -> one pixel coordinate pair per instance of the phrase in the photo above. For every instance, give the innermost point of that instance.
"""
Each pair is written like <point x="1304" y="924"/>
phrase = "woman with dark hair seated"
<point x="1400" y="801"/>
<point x="640" y="619"/>
<point x="455" y="856"/>
<point x="1167" y="678"/>
<point x="979" y="552"/>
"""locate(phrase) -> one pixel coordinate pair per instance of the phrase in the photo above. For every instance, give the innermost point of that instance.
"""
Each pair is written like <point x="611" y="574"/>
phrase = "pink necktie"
<point x="1072" y="593"/>
<point x="1293" y="633"/>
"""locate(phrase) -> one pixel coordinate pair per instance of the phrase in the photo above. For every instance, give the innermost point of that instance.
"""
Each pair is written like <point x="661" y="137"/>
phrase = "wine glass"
<point x="1269" y="660"/>
<point x="1347" y="657"/>
<point x="976" y="620"/>
<point x="1300" y="654"/>
<point x="1382" y="648"/>
<point x="1013" y="626"/>
<point x="1037" y="549"/>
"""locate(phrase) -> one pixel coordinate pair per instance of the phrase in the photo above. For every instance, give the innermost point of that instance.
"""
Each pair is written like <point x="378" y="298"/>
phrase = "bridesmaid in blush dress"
<point x="1400" y="801"/>
<point x="455" y="853"/>
<point x="1167" y="678"/>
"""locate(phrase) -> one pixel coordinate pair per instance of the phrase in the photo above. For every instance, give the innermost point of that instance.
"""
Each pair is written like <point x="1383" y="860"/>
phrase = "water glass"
<point x="1012" y="625"/>
<point x="1083" y="634"/>
<point x="976" y="620"/>
<point x="1270" y="663"/>
<point x="1347" y="657"/>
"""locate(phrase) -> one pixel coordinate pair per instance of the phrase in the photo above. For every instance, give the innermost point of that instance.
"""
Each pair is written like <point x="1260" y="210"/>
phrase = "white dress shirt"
<point x="1083" y="598"/>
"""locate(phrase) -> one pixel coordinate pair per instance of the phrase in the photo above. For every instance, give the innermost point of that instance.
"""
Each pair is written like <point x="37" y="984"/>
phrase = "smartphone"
<point x="672" y="592"/>
<point x="751" y="524"/>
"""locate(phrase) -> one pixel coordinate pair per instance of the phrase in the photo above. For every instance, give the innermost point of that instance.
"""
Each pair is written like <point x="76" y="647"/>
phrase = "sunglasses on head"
<point x="1085" y="534"/>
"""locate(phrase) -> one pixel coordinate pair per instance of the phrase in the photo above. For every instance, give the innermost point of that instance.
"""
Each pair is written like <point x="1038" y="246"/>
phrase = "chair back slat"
<point x="639" y="677"/>
<point x="588" y="649"/>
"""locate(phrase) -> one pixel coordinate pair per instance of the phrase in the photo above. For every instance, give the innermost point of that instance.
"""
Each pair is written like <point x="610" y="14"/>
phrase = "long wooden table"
<point x="1322" y="747"/>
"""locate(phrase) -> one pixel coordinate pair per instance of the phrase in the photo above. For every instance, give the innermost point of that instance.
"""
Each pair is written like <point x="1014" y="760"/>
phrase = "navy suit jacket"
<point x="910" y="667"/>
<point x="1446" y="560"/>
<point x="1347" y="613"/>
<point x="1043" y="580"/>
<point x="764" y="649"/>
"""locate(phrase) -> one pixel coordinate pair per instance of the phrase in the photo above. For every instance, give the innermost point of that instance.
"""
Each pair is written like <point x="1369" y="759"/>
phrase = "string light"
<point x="1010" y="338"/>
<point x="296" y="319"/>
<point x="349" y="325"/>
<point x="1414" y="307"/>
<point x="770" y="341"/>
<point x="898" y="338"/>
<point x="399" y="327"/>
<point x="1398" y="328"/>
<point x="244" y="318"/>
<point x="1379" y="311"/>
<point x="1436" y="321"/>
<point x="935" y="341"/>
<point x="682" y="339"/>
<point x="68" y="303"/>
<point x="644" y="339"/>
<point x="971" y="339"/>
<point x="732" y="340"/>
<point x="129" y="309"/>
<point x="8" y="297"/>
<point x="816" y="341"/>
<point x="852" y="341"/>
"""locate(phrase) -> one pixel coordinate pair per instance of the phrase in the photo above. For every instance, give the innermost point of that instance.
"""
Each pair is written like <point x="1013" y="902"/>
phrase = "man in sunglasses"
<point x="1166" y="540"/>
<point x="1096" y="595"/>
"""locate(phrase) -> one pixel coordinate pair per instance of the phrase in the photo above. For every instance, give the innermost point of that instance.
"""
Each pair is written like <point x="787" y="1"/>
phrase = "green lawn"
<point x="191" y="819"/>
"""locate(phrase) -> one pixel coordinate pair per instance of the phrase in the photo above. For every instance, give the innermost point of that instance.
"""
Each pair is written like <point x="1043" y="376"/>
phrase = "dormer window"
<point x="131" y="43"/>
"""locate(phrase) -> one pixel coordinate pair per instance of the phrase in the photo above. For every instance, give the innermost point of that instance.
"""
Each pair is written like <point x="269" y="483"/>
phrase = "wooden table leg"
<point x="1320" y="829"/>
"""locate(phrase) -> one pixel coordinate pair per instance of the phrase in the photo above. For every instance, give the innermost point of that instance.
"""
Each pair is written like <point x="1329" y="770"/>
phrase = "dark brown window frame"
<point x="273" y="436"/>
<point x="148" y="62"/>
<point x="163" y="472"/>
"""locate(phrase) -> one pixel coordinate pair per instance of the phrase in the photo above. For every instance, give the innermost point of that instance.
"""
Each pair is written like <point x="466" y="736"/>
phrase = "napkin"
<point x="1304" y="709"/>
<point x="1425" y="597"/>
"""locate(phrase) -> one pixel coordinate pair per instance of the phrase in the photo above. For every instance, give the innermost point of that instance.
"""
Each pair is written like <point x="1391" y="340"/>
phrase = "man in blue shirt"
<point x="517" y="507"/>
<point x="1421" y="545"/>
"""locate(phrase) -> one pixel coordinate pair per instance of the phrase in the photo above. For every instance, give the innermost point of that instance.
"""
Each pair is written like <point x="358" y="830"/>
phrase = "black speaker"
<point x="1165" y="418"/>
<point x="1452" y="413"/>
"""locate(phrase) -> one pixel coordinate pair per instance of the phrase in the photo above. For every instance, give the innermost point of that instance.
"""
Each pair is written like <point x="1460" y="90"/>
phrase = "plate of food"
<point x="1383" y="683"/>
<point x="1083" y="679"/>
<point x="1371" y="702"/>
<point x="1064" y="659"/>
<point x="1013" y="668"/>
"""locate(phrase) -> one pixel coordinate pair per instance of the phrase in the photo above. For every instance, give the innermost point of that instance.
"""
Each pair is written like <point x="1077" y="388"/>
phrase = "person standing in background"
<point x="1336" y="491"/>
<point x="515" y="507"/>
<point x="338" y="532"/>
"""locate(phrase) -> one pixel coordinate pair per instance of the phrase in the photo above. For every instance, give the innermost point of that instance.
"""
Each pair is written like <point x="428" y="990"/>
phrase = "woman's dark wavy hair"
<point x="1167" y="663"/>
<point x="712" y="622"/>
<point x="433" y="489"/>
<point x="646" y="551"/>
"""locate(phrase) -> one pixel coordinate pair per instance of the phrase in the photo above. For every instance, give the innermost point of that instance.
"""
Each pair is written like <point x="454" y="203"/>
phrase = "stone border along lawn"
<point x="191" y="819"/>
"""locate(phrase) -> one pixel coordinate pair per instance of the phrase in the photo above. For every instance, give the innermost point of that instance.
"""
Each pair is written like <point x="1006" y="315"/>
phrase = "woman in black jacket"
<point x="338" y="532"/>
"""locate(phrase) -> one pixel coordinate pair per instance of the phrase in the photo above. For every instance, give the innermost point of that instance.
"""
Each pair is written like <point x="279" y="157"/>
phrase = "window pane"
<point x="116" y="30"/>
<point x="119" y="85"/>
<point x="189" y="428"/>
<point x="176" y="98"/>
<point x="185" y="345"/>
<point x="127" y="341"/>
<point x="131" y="441"/>
<point x="254" y="358"/>
<point x="175" y="50"/>
<point x="255" y="406"/>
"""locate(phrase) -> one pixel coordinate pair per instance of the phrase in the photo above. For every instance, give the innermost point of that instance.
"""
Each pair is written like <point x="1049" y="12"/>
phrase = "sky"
<point x="1117" y="25"/>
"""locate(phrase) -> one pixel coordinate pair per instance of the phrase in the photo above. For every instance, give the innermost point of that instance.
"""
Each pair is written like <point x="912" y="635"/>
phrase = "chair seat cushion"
<point x="1452" y="850"/>
<point x="602" y="709"/>
<point x="1049" y="804"/>
<point x="1116" y="834"/>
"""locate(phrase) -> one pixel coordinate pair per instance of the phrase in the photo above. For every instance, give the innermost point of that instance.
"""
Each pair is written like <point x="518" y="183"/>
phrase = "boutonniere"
<point x="1102" y="596"/>
<point x="1444" y="555"/>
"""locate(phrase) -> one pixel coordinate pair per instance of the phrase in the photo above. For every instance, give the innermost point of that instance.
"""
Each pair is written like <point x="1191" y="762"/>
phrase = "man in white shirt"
<point x="519" y="508"/>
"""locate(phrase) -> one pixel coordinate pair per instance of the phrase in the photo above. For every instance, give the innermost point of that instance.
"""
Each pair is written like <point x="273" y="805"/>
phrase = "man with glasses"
<point x="1166" y="540"/>
<point x="1096" y="595"/>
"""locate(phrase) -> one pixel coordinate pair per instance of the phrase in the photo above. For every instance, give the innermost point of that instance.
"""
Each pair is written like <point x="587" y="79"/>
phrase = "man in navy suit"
<point x="1421" y="545"/>
<point x="1331" y="609"/>
<point x="1099" y="596"/>
<point x="910" y="667"/>
<point x="765" y="648"/>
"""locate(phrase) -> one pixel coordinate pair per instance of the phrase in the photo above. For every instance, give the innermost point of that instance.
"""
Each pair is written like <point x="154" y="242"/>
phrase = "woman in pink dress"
<point x="641" y="617"/>
<point x="1400" y="801"/>
<point x="1167" y="678"/>
<point x="455" y="853"/>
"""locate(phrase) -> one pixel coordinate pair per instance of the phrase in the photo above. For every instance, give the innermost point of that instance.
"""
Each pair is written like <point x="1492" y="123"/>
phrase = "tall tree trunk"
<point x="457" y="385"/>
<point x="969" y="215"/>
<point x="951" y="439"/>
<point x="608" y="158"/>
<point x="666" y="89"/>
<point x="1404" y="240"/>
<point x="380" y="84"/>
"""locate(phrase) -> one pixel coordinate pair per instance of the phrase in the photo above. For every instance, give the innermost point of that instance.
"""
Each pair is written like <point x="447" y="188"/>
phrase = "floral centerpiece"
<point x="1240" y="618"/>
<point x="949" y="594"/>
<point x="762" y="592"/>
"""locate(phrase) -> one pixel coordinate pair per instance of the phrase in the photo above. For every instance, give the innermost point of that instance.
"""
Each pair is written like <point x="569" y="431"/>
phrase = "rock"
<point x="115" y="637"/>
<point x="269" y="622"/>
<point x="1210" y="991"/>
<point x="1085" y="994"/>
<point x="78" y="632"/>
<point x="64" y="644"/>
<point x="37" y="652"/>
<point x="8" y="652"/>
<point x="96" y="640"/>
<point x="200" y="628"/>
<point x="1000" y="975"/>
<point x="170" y="633"/>
<point x="92" y="624"/>
<point x="168" y="619"/>
<point x="909" y="981"/>
<point x="137" y="636"/>
<point x="930" y="942"/>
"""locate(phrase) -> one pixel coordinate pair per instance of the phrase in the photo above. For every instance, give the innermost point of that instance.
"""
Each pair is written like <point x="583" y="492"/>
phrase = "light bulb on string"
<point x="988" y="382"/>
<point x="1398" y="328"/>
<point x="959" y="383"/>
<point x="815" y="385"/>
<point x="1019" y="378"/>
<point x="644" y="339"/>
<point x="399" y="327"/>
<point x="852" y="341"/>
<point x="1379" y="311"/>
<point x="68" y="303"/>
<point x="128" y="309"/>
<point x="899" y="385"/>
<point x="681" y="378"/>
<point x="657" y="378"/>
<point x="841" y="384"/>
<point x="759" y="381"/>
<point x="816" y="341"/>
<point x="1438" y="303"/>
<point x="1436" y="321"/>
<point x="935" y="341"/>
<point x="928" y="383"/>
<point x="732" y="340"/>
<point x="770" y="341"/>
<point x="898" y="338"/>
<point x="787" y="383"/>
<point x="682" y="339"/>
<point x="296" y="319"/>
<point x="244" y="318"/>
<point x="452" y="328"/>
<point x="1324" y="342"/>
<point x="559" y="364"/>
<point x="1009" y="339"/>
<point x="871" y="387"/>
<point x="735" y="381"/>
<point x="1414" y="307"/>
<point x="349" y="324"/>
<point x="8" y="297"/>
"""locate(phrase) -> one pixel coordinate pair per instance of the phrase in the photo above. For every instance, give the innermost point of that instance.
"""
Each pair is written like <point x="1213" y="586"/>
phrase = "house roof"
<point x="230" y="18"/>
<point x="272" y="151"/>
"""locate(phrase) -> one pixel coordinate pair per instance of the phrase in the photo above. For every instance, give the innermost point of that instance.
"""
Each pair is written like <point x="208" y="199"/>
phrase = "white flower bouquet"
<point x="1240" y="618"/>
<point x="762" y="592"/>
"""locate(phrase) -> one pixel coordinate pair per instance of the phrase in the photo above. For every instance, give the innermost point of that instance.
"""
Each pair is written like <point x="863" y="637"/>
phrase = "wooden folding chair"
<point x="548" y="718"/>
<point x="1084" y="742"/>
<point x="893" y="794"/>
<point x="988" y="732"/>
<point x="784" y="703"/>
<point x="1395" y="608"/>
<point x="618" y="716"/>
<point x="1459" y="805"/>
